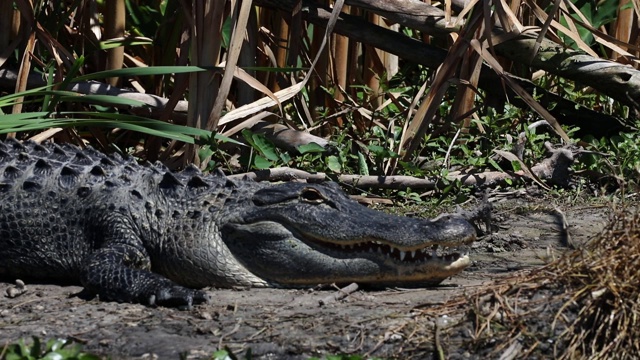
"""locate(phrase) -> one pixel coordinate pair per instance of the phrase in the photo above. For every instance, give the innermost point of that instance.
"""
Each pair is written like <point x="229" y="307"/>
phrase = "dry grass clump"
<point x="604" y="281"/>
<point x="583" y="305"/>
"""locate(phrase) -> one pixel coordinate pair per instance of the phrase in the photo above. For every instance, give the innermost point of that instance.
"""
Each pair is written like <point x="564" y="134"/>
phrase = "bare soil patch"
<point x="293" y="324"/>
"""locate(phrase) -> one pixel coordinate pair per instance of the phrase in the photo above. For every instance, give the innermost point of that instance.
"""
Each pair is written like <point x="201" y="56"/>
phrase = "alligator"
<point x="131" y="232"/>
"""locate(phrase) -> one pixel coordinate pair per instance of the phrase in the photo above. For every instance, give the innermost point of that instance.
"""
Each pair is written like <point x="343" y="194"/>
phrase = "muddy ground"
<point x="296" y="324"/>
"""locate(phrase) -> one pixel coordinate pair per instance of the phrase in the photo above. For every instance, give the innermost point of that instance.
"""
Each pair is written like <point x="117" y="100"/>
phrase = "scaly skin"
<point x="136" y="233"/>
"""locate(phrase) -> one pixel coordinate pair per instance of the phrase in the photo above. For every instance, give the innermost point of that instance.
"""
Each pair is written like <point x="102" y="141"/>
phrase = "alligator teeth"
<point x="418" y="255"/>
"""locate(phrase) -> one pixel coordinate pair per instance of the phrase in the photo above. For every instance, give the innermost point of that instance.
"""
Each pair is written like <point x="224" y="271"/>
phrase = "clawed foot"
<point x="179" y="297"/>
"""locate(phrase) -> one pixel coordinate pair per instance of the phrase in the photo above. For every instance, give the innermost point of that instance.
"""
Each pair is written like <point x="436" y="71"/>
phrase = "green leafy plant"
<point x="618" y="155"/>
<point x="54" y="349"/>
<point x="597" y="13"/>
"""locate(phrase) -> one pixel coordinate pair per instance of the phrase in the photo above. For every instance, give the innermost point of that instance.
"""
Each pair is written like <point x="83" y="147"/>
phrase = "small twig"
<point x="25" y="302"/>
<point x="453" y="141"/>
<point x="259" y="332"/>
<point x="233" y="331"/>
<point x="438" y="345"/>
<point x="339" y="295"/>
<point x="538" y="123"/>
<point x="4" y="350"/>
<point x="513" y="351"/>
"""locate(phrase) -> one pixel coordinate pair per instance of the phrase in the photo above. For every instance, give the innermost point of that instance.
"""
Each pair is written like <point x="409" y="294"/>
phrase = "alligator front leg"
<point x="120" y="271"/>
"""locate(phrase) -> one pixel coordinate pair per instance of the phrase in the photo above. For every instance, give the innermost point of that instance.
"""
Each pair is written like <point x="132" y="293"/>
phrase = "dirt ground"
<point x="298" y="324"/>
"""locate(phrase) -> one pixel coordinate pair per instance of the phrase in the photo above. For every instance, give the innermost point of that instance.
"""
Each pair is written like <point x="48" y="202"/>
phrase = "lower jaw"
<point x="428" y="274"/>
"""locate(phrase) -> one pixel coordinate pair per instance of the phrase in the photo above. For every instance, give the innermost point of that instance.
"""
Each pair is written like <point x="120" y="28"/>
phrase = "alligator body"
<point x="140" y="233"/>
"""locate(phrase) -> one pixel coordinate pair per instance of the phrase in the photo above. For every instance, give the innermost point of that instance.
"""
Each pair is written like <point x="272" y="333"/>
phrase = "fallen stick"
<point x="555" y="169"/>
<point x="339" y="295"/>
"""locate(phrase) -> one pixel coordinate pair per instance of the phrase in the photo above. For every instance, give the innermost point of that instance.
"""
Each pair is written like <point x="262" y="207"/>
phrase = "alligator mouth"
<point x="307" y="258"/>
<point x="431" y="252"/>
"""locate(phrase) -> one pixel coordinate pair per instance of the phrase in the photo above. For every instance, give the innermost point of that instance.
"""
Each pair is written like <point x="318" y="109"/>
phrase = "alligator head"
<point x="296" y="234"/>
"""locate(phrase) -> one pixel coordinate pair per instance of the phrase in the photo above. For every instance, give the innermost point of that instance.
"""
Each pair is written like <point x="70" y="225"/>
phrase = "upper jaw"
<point x="407" y="240"/>
<point x="385" y="251"/>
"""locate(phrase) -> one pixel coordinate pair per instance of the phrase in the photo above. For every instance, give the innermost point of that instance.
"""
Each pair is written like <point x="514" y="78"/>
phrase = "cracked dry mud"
<point x="292" y="324"/>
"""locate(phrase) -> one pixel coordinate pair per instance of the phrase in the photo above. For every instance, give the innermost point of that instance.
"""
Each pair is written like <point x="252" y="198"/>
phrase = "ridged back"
<point x="30" y="167"/>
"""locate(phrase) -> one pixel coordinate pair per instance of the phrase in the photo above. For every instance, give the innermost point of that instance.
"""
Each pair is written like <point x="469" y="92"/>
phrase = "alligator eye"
<point x="311" y="195"/>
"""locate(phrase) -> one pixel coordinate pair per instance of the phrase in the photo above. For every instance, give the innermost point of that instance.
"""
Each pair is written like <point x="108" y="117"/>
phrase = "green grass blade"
<point x="151" y="70"/>
<point x="46" y="99"/>
<point x="129" y="41"/>
<point x="103" y="100"/>
<point x="66" y="81"/>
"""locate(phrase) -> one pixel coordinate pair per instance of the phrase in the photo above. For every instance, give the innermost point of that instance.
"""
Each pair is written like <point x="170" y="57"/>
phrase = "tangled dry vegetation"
<point x="604" y="281"/>
<point x="586" y="304"/>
